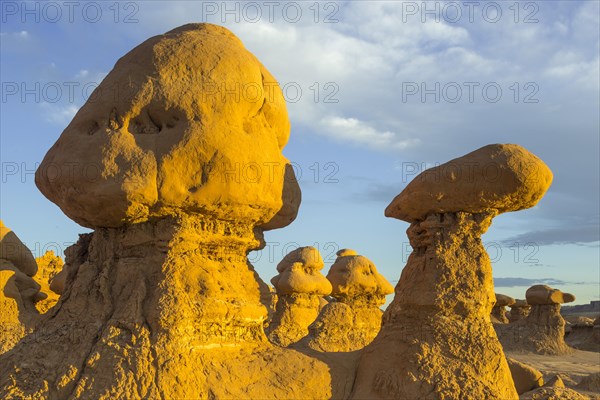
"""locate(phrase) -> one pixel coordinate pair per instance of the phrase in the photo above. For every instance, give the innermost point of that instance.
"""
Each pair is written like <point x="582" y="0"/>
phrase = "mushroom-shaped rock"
<point x="444" y="298"/>
<point x="354" y="319"/>
<point x="179" y="173"/>
<point x="355" y="277"/>
<point x="544" y="294"/>
<point x="299" y="272"/>
<point x="543" y="330"/>
<point x="501" y="177"/>
<point x="499" y="310"/>
<point x="519" y="310"/>
<point x="198" y="126"/>
<point x="13" y="250"/>
<point x="300" y="287"/>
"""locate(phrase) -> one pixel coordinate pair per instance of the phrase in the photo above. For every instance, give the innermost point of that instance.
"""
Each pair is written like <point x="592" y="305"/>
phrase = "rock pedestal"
<point x="353" y="319"/>
<point x="519" y="310"/>
<point x="499" y="310"/>
<point x="543" y="330"/>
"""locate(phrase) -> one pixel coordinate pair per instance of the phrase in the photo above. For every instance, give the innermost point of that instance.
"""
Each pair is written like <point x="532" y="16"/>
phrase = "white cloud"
<point x="60" y="115"/>
<point x="355" y="131"/>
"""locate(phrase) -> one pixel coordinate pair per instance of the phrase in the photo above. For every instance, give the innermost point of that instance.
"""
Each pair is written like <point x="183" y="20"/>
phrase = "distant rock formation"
<point x="499" y="310"/>
<point x="353" y="320"/>
<point x="518" y="310"/>
<point x="300" y="287"/>
<point x="437" y="340"/>
<point x="18" y="290"/>
<point x="179" y="177"/>
<point x="543" y="330"/>
<point x="584" y="333"/>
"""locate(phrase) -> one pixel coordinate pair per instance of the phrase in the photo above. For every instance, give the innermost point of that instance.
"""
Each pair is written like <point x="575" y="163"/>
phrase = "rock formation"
<point x="49" y="267"/>
<point x="437" y="340"/>
<point x="353" y="320"/>
<point x="518" y="310"/>
<point x="543" y="330"/>
<point x="178" y="174"/>
<point x="584" y="334"/>
<point x="526" y="378"/>
<point x="499" y="310"/>
<point x="18" y="290"/>
<point x="300" y="287"/>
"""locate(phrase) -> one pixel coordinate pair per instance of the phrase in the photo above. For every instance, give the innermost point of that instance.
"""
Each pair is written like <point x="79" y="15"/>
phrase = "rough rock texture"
<point x="353" y="320"/>
<point x="197" y="125"/>
<point x="519" y="310"/>
<point x="543" y="330"/>
<point x="19" y="292"/>
<point x="554" y="389"/>
<point x="526" y="378"/>
<point x="590" y="383"/>
<point x="160" y="300"/>
<point x="499" y="310"/>
<point x="584" y="334"/>
<point x="300" y="287"/>
<point x="437" y="340"/>
<point x="503" y="177"/>
<point x="49" y="266"/>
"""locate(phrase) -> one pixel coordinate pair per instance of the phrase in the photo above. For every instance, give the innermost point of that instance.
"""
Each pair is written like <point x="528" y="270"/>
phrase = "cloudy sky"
<point x="377" y="91"/>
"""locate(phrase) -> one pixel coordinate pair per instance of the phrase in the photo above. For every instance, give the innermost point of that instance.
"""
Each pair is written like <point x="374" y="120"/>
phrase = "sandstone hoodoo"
<point x="436" y="338"/>
<point x="18" y="290"/>
<point x="300" y="287"/>
<point x="499" y="310"/>
<point x="543" y="330"/>
<point x="160" y="301"/>
<point x="518" y="310"/>
<point x="49" y="267"/>
<point x="353" y="320"/>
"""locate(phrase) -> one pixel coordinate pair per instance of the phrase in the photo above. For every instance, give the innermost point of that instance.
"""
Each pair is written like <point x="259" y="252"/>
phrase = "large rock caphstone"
<point x="502" y="177"/>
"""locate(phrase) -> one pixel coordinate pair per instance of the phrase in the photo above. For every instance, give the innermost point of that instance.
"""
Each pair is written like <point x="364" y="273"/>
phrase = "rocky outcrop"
<point x="518" y="310"/>
<point x="353" y="319"/>
<point x="499" y="310"/>
<point x="19" y="292"/>
<point x="160" y="301"/>
<point x="543" y="330"/>
<point x="49" y="267"/>
<point x="526" y="378"/>
<point x="584" y="333"/>
<point x="300" y="287"/>
<point x="437" y="340"/>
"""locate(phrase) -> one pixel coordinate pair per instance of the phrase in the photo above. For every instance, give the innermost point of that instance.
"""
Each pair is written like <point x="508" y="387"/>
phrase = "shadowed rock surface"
<point x="519" y="310"/>
<point x="543" y="330"/>
<point x="499" y="310"/>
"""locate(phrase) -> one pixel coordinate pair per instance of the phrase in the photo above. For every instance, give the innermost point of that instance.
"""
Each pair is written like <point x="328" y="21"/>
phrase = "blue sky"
<point x="376" y="92"/>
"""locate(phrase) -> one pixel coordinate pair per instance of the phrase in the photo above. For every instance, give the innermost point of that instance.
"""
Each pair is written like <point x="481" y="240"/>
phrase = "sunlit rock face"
<point x="437" y="340"/>
<point x="300" y="288"/>
<point x="179" y="179"/>
<point x="543" y="330"/>
<point x="353" y="319"/>
<point x="19" y="292"/>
